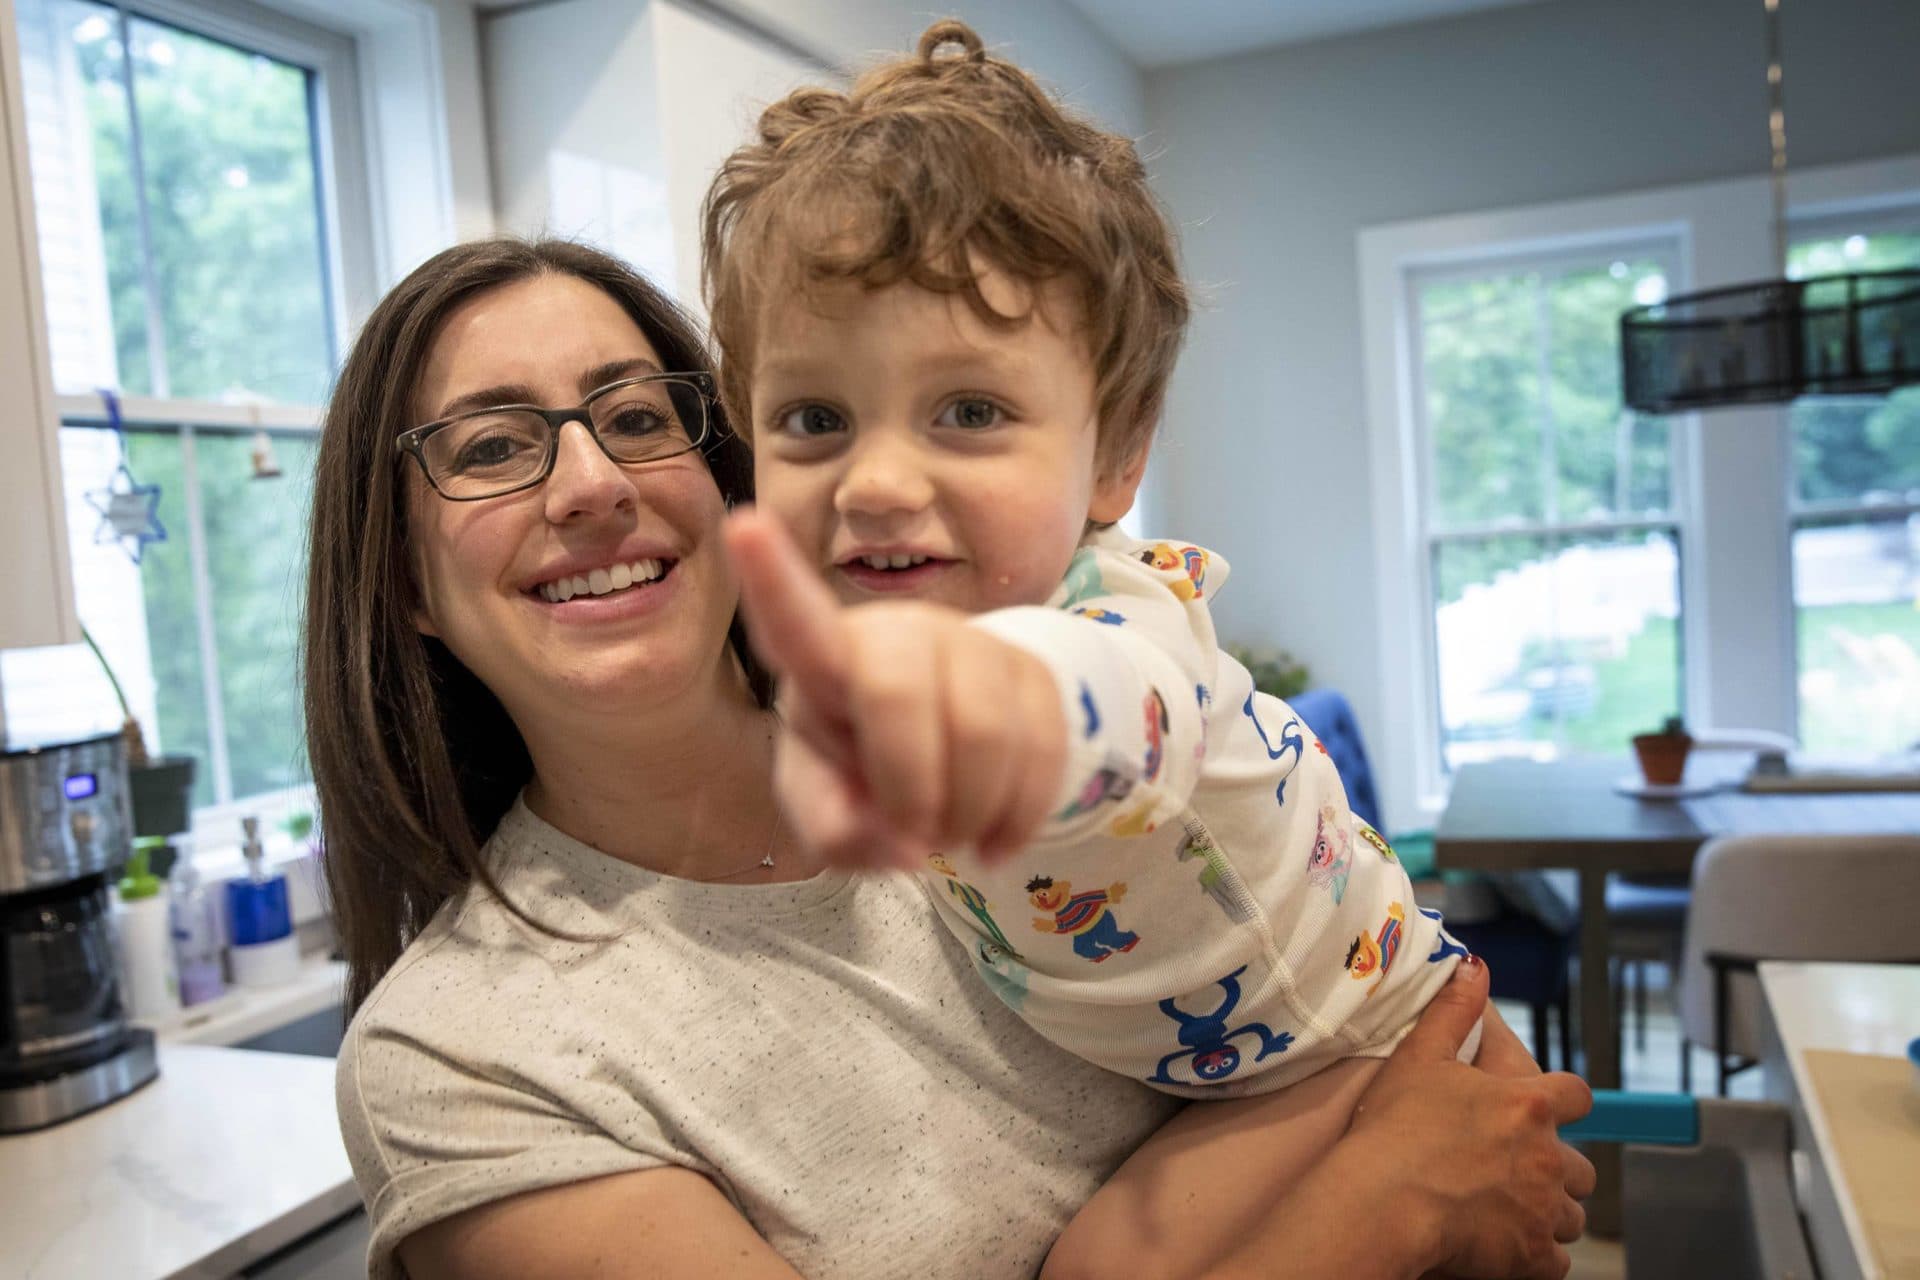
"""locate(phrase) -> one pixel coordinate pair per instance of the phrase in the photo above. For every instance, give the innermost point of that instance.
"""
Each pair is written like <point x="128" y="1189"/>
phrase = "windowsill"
<point x="243" y="1013"/>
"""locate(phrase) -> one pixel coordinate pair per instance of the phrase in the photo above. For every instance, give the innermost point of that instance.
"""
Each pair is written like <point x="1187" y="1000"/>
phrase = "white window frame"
<point x="1549" y="258"/>
<point x="1733" y="467"/>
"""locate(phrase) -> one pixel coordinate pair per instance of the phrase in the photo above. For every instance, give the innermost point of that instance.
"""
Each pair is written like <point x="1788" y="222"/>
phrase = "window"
<point x="1548" y="525"/>
<point x="186" y="164"/>
<point x="1855" y="514"/>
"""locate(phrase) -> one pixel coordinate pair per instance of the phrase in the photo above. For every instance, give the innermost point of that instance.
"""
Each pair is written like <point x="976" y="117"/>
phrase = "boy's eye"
<point x="811" y="420"/>
<point x="970" y="414"/>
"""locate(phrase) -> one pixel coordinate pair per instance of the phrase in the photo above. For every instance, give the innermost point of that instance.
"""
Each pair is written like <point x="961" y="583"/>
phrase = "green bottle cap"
<point x="139" y="882"/>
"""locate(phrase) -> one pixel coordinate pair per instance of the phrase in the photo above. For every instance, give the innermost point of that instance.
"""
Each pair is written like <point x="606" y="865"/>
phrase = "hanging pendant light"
<point x="1773" y="340"/>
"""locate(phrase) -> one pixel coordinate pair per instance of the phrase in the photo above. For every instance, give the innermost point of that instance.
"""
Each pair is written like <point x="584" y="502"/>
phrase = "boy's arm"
<point x="1131" y="647"/>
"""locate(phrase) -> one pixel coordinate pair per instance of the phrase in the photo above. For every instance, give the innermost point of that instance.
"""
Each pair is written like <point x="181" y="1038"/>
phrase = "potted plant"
<point x="1275" y="672"/>
<point x="1663" y="755"/>
<point x="160" y="787"/>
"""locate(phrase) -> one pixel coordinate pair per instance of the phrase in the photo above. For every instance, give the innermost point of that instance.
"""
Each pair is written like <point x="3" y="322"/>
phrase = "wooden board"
<point x="1873" y="1125"/>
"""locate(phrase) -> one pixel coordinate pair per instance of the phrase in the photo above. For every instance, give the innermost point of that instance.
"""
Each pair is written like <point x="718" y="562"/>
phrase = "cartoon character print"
<point x="1106" y="784"/>
<point x="1328" y="862"/>
<point x="1159" y="724"/>
<point x="1092" y="712"/>
<point x="1190" y="561"/>
<point x="1373" y="957"/>
<point x="972" y="899"/>
<point x="1207" y="1043"/>
<point x="1446" y="946"/>
<point x="1377" y="840"/>
<point x="1215" y="874"/>
<point x="1137" y="821"/>
<point x="1003" y="973"/>
<point x="1087" y="917"/>
<point x="1203" y="696"/>
<point x="1292" y="742"/>
<point x="1096" y="614"/>
<point x="1082" y="581"/>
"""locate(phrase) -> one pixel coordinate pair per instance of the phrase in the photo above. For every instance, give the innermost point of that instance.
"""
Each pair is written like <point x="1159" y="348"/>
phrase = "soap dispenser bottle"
<point x="264" y="951"/>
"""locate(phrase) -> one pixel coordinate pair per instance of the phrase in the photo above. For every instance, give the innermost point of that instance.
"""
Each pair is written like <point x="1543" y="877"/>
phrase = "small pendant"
<point x="766" y="860"/>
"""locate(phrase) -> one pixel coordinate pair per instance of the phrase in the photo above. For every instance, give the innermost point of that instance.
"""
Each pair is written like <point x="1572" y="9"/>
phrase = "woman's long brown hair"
<point x="414" y="760"/>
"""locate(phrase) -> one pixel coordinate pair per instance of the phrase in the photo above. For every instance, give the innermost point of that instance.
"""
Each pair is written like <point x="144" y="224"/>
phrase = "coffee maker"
<point x="66" y="825"/>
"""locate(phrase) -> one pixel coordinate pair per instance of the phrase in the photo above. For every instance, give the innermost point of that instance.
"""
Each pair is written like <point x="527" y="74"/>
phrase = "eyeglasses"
<point x="485" y="453"/>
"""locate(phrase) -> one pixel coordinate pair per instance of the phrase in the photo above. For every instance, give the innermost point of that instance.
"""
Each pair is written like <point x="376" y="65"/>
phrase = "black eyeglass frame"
<point x="412" y="441"/>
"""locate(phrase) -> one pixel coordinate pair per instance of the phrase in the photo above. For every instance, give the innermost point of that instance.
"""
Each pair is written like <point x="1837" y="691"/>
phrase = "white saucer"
<point x="1641" y="789"/>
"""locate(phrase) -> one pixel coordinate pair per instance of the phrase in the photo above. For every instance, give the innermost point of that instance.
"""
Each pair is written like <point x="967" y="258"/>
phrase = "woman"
<point x="608" y="1019"/>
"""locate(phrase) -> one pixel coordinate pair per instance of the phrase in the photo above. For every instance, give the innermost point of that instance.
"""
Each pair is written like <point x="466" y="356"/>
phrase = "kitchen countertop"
<point x="230" y="1155"/>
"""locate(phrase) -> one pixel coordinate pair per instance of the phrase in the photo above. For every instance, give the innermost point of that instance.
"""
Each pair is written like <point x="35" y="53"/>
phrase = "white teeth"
<point x="602" y="582"/>
<point x="892" y="561"/>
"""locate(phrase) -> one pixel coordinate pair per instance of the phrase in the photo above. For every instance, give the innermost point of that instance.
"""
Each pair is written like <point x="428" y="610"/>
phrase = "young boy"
<point x="947" y="312"/>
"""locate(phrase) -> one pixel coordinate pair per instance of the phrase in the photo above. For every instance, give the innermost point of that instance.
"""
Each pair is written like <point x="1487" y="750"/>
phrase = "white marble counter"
<point x="228" y="1156"/>
<point x="1869" y="1009"/>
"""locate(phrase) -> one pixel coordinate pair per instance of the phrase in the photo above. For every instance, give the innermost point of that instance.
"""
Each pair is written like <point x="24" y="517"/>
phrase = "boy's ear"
<point x="1113" y="491"/>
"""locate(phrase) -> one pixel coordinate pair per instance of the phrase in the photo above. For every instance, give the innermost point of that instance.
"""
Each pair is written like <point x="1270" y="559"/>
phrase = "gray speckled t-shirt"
<point x="823" y="1051"/>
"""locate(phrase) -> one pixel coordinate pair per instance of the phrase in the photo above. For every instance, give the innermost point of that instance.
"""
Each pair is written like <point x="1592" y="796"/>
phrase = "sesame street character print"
<point x="1446" y="946"/>
<point x="1087" y="918"/>
<point x="1106" y="784"/>
<point x="1377" y="840"/>
<point x="1096" y="614"/>
<point x="1158" y="726"/>
<point x="1292" y="742"/>
<point x="1373" y="957"/>
<point x="1191" y="562"/>
<point x="1328" y="862"/>
<point x="1137" y="821"/>
<point x="1082" y="581"/>
<point x="1091" y="712"/>
<point x="970" y="898"/>
<point x="1209" y="1045"/>
<point x="1003" y="973"/>
<point x="1216" y="877"/>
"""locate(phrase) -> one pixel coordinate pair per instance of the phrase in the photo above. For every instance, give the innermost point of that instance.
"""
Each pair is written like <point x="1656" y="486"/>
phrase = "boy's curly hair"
<point x="929" y="164"/>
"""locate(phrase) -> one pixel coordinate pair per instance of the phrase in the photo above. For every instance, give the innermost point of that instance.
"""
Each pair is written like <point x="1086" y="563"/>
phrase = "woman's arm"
<point x="1443" y="1165"/>
<point x="656" y="1224"/>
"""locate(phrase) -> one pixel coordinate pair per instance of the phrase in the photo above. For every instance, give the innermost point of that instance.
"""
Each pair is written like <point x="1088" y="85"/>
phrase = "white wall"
<point x="1274" y="162"/>
<point x="658" y="92"/>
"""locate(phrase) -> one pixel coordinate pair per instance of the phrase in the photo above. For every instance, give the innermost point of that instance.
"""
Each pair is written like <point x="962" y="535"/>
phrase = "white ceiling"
<point x="1156" y="33"/>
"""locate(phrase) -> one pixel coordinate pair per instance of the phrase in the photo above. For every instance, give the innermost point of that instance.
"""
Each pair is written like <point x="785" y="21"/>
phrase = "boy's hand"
<point x="905" y="731"/>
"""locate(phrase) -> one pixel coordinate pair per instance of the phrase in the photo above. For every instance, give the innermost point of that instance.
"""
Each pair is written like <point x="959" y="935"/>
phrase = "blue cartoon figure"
<point x="1094" y="613"/>
<point x="1106" y="784"/>
<point x="1091" y="712"/>
<point x="1087" y="918"/>
<point x="1328" y="862"/>
<point x="1205" y="1039"/>
<point x="1292" y="742"/>
<point x="1446" y="946"/>
<point x="1372" y="957"/>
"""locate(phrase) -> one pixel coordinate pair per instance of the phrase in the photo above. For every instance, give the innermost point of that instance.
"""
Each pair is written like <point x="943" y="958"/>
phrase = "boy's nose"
<point x="883" y="477"/>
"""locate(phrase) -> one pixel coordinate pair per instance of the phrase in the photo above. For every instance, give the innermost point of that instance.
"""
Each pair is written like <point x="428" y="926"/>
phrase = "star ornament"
<point x="129" y="513"/>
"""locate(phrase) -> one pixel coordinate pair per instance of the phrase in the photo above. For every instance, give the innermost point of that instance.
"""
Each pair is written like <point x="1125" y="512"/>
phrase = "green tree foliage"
<point x="226" y="144"/>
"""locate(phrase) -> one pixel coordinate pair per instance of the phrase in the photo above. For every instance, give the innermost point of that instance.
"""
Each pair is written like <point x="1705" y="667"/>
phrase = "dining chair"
<point x="1785" y="897"/>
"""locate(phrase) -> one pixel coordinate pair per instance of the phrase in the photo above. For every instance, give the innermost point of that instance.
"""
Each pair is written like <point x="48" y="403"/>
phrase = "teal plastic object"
<point x="1645" y="1119"/>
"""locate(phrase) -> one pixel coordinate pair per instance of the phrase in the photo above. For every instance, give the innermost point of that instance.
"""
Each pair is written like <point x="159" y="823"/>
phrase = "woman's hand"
<point x="905" y="730"/>
<point x="1496" y="1187"/>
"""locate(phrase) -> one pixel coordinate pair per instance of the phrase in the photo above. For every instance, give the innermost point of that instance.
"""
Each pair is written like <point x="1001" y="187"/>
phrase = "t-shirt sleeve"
<point x="1129" y="638"/>
<point x="430" y="1135"/>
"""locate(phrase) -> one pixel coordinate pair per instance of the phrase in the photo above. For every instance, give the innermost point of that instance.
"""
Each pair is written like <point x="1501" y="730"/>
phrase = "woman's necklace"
<point x="766" y="858"/>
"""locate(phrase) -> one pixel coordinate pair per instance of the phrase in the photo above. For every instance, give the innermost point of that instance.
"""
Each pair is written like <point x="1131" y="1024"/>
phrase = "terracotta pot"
<point x="1663" y="757"/>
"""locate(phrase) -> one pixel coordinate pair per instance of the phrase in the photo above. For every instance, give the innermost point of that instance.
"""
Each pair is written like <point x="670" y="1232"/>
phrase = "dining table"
<point x="1572" y="814"/>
